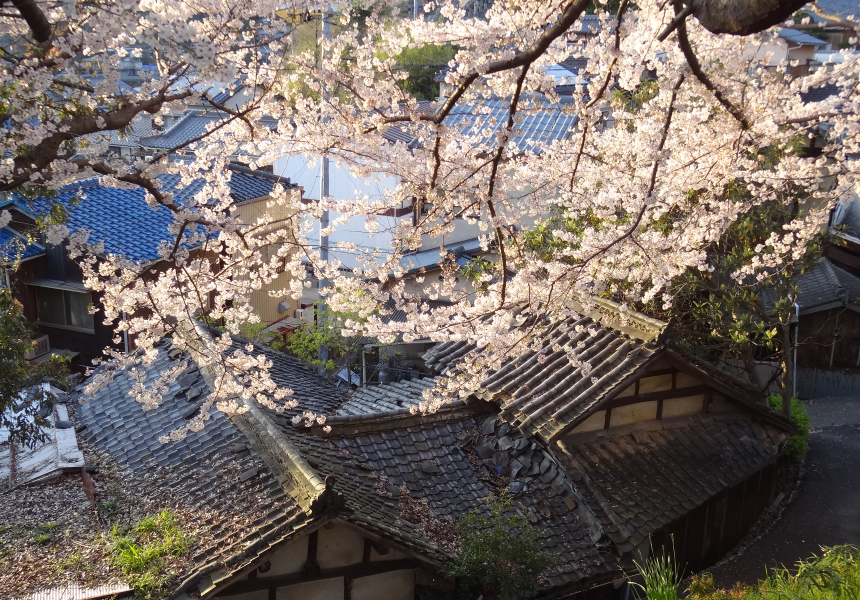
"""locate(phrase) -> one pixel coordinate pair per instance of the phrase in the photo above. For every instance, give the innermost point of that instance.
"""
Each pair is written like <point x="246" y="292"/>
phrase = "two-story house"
<point x="49" y="284"/>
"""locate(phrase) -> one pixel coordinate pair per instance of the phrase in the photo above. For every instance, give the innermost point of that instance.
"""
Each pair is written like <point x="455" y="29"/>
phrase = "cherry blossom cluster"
<point x="664" y="135"/>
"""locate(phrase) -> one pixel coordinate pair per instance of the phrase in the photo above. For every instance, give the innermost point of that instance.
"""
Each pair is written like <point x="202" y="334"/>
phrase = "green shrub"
<point x="795" y="446"/>
<point x="500" y="554"/>
<point x="44" y="533"/>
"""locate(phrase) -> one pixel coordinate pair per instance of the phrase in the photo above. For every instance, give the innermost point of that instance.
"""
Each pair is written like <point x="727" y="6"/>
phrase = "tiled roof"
<point x="424" y="259"/>
<point x="214" y="469"/>
<point x="821" y="286"/>
<point x="140" y="127"/>
<point x="453" y="460"/>
<point x="541" y="124"/>
<point x="384" y="398"/>
<point x="123" y="220"/>
<point x="838" y="8"/>
<point x="192" y="125"/>
<point x="544" y="392"/>
<point x="189" y="127"/>
<point x="226" y="94"/>
<point x="14" y="247"/>
<point x="641" y="477"/>
<point x="406" y="476"/>
<point x="817" y="94"/>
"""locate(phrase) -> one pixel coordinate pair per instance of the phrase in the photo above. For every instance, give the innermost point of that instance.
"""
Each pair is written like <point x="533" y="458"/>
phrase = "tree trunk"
<point x="742" y="17"/>
<point x="750" y="367"/>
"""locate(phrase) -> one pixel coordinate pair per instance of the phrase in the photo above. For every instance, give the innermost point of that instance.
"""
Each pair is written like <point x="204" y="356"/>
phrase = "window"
<point x="63" y="308"/>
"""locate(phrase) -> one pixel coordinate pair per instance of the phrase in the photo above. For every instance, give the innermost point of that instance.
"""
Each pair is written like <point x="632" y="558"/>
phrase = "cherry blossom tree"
<point x="649" y="187"/>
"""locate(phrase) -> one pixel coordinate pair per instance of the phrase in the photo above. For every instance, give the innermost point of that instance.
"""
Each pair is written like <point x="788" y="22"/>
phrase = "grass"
<point x="73" y="562"/>
<point x="661" y="577"/>
<point x="44" y="533"/>
<point x="833" y="575"/>
<point x="142" y="552"/>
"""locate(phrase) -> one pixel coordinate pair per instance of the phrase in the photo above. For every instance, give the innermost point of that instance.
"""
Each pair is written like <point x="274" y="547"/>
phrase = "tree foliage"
<point x="676" y="131"/>
<point x="21" y="395"/>
<point x="500" y="553"/>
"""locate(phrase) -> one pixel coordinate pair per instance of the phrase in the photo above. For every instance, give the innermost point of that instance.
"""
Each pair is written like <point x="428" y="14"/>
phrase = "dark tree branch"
<point x="40" y="157"/>
<point x="696" y="68"/>
<point x="36" y="19"/>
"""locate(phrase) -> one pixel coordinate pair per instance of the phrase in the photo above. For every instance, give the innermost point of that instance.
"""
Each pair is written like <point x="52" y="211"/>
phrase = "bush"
<point x="835" y="575"/>
<point x="499" y="555"/>
<point x="795" y="446"/>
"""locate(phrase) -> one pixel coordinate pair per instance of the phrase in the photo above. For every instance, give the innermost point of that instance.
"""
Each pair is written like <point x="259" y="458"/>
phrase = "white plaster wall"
<point x="683" y="406"/>
<point x="657" y="383"/>
<point x="290" y="559"/>
<point x="339" y="547"/>
<point x="396" y="585"/>
<point x="592" y="423"/>
<point x="326" y="589"/>
<point x="683" y="380"/>
<point x="633" y="413"/>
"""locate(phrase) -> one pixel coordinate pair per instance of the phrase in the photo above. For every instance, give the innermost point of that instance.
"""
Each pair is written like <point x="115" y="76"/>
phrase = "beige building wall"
<point x="264" y="304"/>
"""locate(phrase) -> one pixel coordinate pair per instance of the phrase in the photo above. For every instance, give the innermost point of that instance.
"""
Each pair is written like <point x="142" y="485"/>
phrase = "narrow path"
<point x="826" y="509"/>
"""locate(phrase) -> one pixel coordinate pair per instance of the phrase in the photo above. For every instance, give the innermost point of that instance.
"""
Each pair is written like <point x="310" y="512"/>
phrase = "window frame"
<point x="65" y="310"/>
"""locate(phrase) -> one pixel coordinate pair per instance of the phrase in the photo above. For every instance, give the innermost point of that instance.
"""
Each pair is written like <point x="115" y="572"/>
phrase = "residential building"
<point x="49" y="284"/>
<point x="827" y="331"/>
<point x="650" y="446"/>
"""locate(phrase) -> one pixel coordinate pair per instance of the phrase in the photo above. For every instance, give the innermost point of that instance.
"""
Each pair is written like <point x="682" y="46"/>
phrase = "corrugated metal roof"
<point x="118" y="590"/>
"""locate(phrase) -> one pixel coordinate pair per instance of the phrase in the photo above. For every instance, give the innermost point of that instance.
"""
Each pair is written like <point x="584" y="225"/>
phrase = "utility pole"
<point x="325" y="33"/>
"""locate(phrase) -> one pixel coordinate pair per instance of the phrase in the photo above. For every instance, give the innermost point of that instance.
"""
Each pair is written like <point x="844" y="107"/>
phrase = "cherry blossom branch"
<point x="652" y="181"/>
<point x="39" y="158"/>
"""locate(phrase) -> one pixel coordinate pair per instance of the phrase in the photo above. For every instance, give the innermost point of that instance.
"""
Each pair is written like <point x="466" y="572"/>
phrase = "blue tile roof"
<point x="192" y="125"/>
<point x="837" y="8"/>
<point x="14" y="246"/>
<point x="540" y="124"/>
<point x="123" y="220"/>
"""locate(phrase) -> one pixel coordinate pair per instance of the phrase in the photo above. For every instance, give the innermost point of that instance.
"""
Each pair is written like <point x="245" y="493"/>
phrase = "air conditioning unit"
<point x="41" y="346"/>
<point x="305" y="315"/>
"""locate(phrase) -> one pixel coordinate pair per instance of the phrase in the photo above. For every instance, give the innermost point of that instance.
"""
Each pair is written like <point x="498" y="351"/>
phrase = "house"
<point x="790" y="50"/>
<point x="650" y="444"/>
<point x="49" y="284"/>
<point x="832" y="20"/>
<point x="827" y="330"/>
<point x="542" y="124"/>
